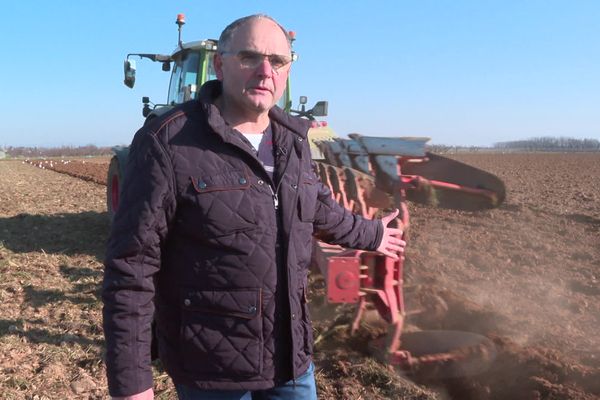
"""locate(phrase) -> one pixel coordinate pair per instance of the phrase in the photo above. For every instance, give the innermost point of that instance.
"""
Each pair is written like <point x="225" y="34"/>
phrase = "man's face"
<point x="253" y="91"/>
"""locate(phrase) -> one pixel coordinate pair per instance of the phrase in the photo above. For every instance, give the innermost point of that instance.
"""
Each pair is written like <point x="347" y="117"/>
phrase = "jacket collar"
<point x="213" y="89"/>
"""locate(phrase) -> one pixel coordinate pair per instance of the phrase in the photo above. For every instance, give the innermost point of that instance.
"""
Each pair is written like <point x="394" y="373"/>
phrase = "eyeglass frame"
<point x="293" y="57"/>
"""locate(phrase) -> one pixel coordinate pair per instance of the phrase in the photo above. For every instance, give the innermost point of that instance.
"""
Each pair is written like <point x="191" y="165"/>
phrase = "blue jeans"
<point x="304" y="389"/>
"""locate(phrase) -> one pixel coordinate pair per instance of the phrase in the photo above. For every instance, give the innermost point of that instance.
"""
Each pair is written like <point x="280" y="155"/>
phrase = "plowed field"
<point x="526" y="275"/>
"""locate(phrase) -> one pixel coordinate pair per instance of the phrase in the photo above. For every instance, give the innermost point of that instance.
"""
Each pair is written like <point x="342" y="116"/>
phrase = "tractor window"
<point x="183" y="86"/>
<point x="174" y="84"/>
<point x="211" y="74"/>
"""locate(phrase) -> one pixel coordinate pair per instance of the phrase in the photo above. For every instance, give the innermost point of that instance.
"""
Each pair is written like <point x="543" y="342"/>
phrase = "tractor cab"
<point x="191" y="65"/>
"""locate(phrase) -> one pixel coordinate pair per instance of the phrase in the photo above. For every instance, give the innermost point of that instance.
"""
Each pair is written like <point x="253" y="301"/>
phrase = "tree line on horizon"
<point x="63" y="151"/>
<point x="550" y="144"/>
<point x="542" y="144"/>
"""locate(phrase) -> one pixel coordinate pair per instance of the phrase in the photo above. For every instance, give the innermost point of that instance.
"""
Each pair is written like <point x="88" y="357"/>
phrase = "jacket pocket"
<point x="223" y="203"/>
<point x="223" y="181"/>
<point x="221" y="333"/>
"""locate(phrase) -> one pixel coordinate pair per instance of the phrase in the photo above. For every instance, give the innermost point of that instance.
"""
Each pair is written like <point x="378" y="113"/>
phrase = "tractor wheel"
<point x="113" y="187"/>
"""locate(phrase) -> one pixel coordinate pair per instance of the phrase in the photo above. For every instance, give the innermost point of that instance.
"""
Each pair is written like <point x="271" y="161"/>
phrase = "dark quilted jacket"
<point x="198" y="244"/>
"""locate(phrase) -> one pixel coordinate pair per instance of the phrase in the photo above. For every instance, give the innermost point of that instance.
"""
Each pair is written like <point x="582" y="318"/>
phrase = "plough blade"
<point x="402" y="164"/>
<point x="448" y="183"/>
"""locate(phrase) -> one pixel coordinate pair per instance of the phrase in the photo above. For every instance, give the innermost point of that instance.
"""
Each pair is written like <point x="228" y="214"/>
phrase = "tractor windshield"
<point x="211" y="74"/>
<point x="184" y="78"/>
<point x="188" y="75"/>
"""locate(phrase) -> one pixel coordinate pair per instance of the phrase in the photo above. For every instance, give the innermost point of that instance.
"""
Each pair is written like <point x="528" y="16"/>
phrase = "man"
<point x="212" y="238"/>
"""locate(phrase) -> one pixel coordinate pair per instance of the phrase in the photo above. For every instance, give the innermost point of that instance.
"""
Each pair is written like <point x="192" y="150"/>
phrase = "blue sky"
<point x="461" y="72"/>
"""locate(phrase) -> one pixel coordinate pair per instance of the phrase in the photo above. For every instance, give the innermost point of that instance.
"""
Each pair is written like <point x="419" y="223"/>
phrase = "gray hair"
<point x="229" y="31"/>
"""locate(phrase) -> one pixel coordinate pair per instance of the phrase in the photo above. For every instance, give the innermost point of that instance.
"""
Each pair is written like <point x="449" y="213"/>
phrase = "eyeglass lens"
<point x="251" y="59"/>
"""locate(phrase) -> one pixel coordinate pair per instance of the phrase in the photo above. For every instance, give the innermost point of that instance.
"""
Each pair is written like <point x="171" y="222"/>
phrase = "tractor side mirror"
<point x="129" y="67"/>
<point x="303" y="100"/>
<point x="320" y="109"/>
<point x="166" y="66"/>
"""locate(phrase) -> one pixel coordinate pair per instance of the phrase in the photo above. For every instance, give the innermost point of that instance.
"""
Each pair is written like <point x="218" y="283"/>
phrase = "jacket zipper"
<point x="283" y="150"/>
<point x="275" y="198"/>
<point x="289" y="284"/>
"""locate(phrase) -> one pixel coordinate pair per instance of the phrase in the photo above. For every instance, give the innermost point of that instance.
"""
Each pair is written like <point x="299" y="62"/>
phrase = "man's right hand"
<point x="391" y="243"/>
<point x="146" y="395"/>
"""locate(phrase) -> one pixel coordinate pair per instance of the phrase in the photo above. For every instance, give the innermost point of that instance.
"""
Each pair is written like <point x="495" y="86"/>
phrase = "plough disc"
<point x="447" y="354"/>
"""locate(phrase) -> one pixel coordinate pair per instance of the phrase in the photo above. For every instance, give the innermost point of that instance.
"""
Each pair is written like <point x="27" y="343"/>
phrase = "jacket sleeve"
<point x="133" y="257"/>
<point x="336" y="225"/>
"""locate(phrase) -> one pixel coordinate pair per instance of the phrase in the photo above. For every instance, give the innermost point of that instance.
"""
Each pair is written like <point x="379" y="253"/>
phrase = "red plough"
<point x="370" y="174"/>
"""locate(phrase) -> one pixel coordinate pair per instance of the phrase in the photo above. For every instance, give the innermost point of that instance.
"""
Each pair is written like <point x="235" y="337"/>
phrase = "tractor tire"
<point x="113" y="187"/>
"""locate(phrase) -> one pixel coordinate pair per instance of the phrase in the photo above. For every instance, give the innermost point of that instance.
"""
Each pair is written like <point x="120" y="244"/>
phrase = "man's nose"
<point x="265" y="68"/>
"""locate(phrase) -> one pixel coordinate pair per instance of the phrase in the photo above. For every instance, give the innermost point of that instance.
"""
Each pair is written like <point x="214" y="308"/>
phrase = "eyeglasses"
<point x="252" y="59"/>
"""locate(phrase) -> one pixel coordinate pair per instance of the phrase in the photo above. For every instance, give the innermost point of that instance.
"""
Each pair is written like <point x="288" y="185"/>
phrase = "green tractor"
<point x="191" y="65"/>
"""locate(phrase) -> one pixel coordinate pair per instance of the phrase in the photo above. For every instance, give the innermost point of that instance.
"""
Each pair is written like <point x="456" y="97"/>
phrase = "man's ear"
<point x="218" y="64"/>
